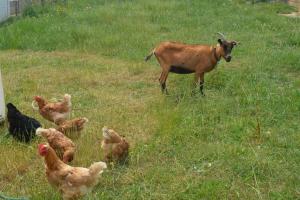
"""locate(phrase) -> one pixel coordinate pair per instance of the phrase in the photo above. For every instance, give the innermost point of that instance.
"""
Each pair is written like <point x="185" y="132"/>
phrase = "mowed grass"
<point x="241" y="141"/>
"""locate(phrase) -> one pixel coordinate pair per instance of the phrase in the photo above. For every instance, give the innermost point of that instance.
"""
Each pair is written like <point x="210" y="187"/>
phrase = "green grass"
<point x="241" y="141"/>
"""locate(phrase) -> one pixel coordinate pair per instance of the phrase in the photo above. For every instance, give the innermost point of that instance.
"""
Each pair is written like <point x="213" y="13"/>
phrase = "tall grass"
<point x="241" y="141"/>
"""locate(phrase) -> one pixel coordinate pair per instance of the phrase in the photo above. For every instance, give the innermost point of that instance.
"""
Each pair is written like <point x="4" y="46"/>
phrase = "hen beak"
<point x="39" y="131"/>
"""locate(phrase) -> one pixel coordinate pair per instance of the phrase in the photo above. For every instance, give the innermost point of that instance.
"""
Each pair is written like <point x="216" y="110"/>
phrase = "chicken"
<point x="114" y="146"/>
<point x="64" y="147"/>
<point x="72" y="182"/>
<point x="72" y="128"/>
<point x="21" y="127"/>
<point x="54" y="112"/>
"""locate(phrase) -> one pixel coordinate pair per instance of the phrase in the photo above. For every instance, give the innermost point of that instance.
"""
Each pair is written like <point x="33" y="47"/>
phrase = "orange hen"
<point x="72" y="182"/>
<point x="114" y="146"/>
<point x="64" y="147"/>
<point x="54" y="112"/>
<point x="72" y="128"/>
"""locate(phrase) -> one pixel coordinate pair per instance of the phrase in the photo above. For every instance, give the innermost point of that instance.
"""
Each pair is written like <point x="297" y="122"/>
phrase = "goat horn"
<point x="222" y="35"/>
<point x="236" y="42"/>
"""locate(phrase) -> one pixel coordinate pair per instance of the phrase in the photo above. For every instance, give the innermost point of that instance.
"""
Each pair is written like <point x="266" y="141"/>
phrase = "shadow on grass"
<point x="10" y="21"/>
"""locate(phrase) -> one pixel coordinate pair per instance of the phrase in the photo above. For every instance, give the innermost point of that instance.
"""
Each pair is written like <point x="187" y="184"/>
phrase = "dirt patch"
<point x="295" y="3"/>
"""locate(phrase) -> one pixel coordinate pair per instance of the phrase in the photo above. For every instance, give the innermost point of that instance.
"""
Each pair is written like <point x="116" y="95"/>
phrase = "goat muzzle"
<point x="228" y="58"/>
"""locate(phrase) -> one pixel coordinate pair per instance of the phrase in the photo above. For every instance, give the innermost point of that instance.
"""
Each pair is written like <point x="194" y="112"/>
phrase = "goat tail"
<point x="150" y="55"/>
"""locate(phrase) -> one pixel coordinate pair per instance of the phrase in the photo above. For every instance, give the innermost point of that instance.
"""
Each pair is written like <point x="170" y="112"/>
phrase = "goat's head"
<point x="226" y="47"/>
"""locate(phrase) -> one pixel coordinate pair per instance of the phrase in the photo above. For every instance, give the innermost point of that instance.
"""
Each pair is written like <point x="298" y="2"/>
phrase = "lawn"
<point x="240" y="141"/>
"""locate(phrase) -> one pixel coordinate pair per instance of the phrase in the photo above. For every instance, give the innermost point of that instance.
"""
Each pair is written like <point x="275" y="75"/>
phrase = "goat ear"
<point x="220" y="41"/>
<point x="235" y="43"/>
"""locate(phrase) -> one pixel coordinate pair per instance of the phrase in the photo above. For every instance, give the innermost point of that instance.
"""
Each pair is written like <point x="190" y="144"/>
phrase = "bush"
<point x="30" y="12"/>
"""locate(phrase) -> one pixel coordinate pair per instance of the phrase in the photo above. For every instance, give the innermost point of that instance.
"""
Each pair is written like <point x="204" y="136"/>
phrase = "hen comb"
<point x="41" y="147"/>
<point x="37" y="98"/>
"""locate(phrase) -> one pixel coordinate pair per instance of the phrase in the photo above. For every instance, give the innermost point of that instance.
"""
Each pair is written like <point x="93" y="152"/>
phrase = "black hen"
<point x="21" y="127"/>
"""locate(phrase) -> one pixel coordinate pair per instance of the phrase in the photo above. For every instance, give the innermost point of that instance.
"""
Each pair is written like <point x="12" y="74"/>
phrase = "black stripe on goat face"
<point x="227" y="47"/>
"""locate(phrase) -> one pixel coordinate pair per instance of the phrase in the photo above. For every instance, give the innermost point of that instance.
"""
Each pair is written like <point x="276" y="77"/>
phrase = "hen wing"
<point x="56" y="107"/>
<point x="78" y="176"/>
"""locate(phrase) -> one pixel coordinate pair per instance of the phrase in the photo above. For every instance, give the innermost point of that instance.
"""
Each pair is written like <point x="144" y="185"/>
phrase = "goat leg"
<point x="164" y="88"/>
<point x="162" y="81"/>
<point x="202" y="87"/>
<point x="201" y="83"/>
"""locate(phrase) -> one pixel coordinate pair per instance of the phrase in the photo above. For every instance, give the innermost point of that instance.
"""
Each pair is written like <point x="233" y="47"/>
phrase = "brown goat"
<point x="182" y="58"/>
